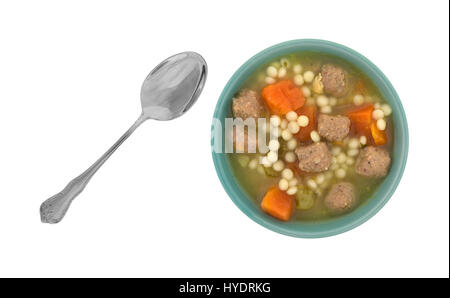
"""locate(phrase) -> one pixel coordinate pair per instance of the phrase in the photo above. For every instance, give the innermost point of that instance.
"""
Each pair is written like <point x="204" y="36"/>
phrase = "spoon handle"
<point x="53" y="209"/>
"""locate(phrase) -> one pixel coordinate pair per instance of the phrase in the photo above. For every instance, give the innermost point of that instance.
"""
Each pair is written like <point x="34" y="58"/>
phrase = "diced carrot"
<point x="278" y="204"/>
<point x="361" y="119"/>
<point x="283" y="97"/>
<point x="379" y="136"/>
<point x="305" y="132"/>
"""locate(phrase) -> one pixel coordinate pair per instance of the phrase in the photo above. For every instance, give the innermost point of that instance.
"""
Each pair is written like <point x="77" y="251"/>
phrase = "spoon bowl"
<point x="173" y="86"/>
<point x="168" y="92"/>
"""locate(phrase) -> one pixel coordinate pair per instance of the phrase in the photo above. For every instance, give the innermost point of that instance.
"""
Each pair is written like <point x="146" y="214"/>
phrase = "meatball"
<point x="248" y="105"/>
<point x="333" y="128"/>
<point x="372" y="162"/>
<point x="313" y="158"/>
<point x="334" y="80"/>
<point x="341" y="197"/>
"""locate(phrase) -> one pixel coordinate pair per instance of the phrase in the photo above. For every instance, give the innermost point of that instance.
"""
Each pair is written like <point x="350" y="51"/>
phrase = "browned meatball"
<point x="373" y="162"/>
<point x="333" y="128"/>
<point x="313" y="158"/>
<point x="334" y="80"/>
<point x="341" y="197"/>
<point x="248" y="105"/>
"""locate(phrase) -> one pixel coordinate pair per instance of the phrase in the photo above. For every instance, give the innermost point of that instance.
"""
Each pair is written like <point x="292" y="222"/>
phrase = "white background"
<point x="70" y="77"/>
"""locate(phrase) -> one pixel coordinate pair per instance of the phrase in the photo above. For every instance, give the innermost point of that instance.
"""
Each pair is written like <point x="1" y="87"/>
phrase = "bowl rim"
<point x="334" y="226"/>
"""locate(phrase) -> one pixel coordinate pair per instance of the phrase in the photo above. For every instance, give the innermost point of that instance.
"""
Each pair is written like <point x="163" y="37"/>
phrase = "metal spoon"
<point x="167" y="93"/>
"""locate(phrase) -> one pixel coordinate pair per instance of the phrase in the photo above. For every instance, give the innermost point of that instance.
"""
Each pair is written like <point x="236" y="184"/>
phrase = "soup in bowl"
<point x="309" y="138"/>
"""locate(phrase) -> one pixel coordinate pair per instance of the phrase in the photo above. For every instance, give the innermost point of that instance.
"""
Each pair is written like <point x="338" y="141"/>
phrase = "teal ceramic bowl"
<point x="362" y="213"/>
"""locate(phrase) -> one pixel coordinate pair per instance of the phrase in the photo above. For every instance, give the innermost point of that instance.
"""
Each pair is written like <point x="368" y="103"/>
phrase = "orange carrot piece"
<point x="379" y="136"/>
<point x="361" y="119"/>
<point x="278" y="204"/>
<point x="305" y="132"/>
<point x="283" y="97"/>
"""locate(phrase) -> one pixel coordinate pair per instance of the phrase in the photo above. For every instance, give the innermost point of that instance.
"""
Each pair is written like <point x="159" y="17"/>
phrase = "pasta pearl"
<point x="253" y="164"/>
<point x="271" y="71"/>
<point x="308" y="76"/>
<point x="315" y="137"/>
<point x="283" y="184"/>
<point x="282" y="72"/>
<point x="341" y="157"/>
<point x="291" y="144"/>
<point x="320" y="178"/>
<point x="290" y="157"/>
<point x="340" y="173"/>
<point x="358" y="99"/>
<point x="297" y="68"/>
<point x="278" y="165"/>
<point x="336" y="150"/>
<point x="306" y="92"/>
<point x="272" y="156"/>
<point x="353" y="143"/>
<point x="386" y="109"/>
<point x="352" y="152"/>
<point x="298" y="80"/>
<point x="333" y="160"/>
<point x="287" y="174"/>
<point x="284" y="124"/>
<point x="292" y="190"/>
<point x="381" y="124"/>
<point x="265" y="162"/>
<point x="275" y="121"/>
<point x="377" y="114"/>
<point x="291" y="116"/>
<point x="311" y="184"/>
<point x="363" y="140"/>
<point x="286" y="135"/>
<point x="350" y="161"/>
<point x="293" y="127"/>
<point x="303" y="121"/>
<point x="274" y="145"/>
<point x="322" y="101"/>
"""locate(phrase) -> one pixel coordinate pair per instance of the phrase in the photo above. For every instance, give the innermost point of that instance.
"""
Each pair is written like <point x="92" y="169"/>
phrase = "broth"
<point x="254" y="180"/>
